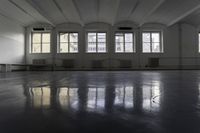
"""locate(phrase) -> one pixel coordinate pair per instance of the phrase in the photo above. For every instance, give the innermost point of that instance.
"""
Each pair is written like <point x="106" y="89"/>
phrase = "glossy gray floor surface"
<point x="100" y="102"/>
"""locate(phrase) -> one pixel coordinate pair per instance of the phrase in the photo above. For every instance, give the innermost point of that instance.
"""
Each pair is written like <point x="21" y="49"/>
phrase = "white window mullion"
<point x="41" y="43"/>
<point x="97" y="43"/>
<point x="68" y="42"/>
<point x="124" y="41"/>
<point x="151" y="42"/>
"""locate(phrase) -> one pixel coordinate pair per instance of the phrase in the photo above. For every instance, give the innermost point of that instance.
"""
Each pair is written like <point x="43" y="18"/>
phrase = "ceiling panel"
<point x="28" y="9"/>
<point x="173" y="10"/>
<point x="88" y="10"/>
<point x="51" y="10"/>
<point x="144" y="9"/>
<point x="108" y="10"/>
<point x="70" y="11"/>
<point x="193" y="18"/>
<point x="55" y="12"/>
<point x="12" y="11"/>
<point x="126" y="8"/>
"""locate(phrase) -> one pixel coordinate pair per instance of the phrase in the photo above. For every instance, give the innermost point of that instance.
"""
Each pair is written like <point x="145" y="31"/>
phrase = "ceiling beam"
<point x="184" y="15"/>
<point x="40" y="11"/>
<point x="151" y="11"/>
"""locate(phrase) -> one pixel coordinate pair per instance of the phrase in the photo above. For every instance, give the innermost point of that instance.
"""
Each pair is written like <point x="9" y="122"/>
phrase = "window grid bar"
<point x="68" y="42"/>
<point x="161" y="45"/>
<point x="151" y="42"/>
<point x="124" y="43"/>
<point x="97" y="43"/>
<point x="32" y="43"/>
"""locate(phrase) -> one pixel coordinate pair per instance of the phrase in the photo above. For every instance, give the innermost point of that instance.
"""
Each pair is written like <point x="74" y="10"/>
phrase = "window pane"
<point x="46" y="48"/>
<point x="119" y="47"/>
<point x="91" y="37"/>
<point x="36" y="38"/>
<point x="36" y="48"/>
<point x="45" y="38"/>
<point x="156" y="47"/>
<point x="128" y="47"/>
<point x="128" y="37"/>
<point x="101" y="42"/>
<point x="155" y="37"/>
<point x="146" y="47"/>
<point x="91" y="47"/>
<point x="73" y="47"/>
<point x="102" y="47"/>
<point x="73" y="37"/>
<point x="63" y="37"/>
<point x="146" y="37"/>
<point x="64" y="48"/>
<point x="119" y="38"/>
<point x="101" y="37"/>
<point x="119" y="42"/>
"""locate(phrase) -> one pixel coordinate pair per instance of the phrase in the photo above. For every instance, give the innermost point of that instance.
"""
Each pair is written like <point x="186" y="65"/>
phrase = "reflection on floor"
<point x="151" y="96"/>
<point x="40" y="97"/>
<point x="140" y="102"/>
<point x="68" y="98"/>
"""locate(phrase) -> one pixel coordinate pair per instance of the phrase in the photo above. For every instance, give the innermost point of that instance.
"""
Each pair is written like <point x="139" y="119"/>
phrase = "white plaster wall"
<point x="12" y="46"/>
<point x="179" y="40"/>
<point x="190" y="46"/>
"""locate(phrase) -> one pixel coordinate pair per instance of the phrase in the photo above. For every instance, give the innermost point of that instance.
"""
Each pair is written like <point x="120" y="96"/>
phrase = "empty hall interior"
<point x="99" y="66"/>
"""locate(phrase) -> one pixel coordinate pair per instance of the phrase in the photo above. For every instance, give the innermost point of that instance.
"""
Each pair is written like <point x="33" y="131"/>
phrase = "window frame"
<point x="199" y="42"/>
<point x="151" y="42"/>
<point x="41" y="44"/>
<point x="96" y="32"/>
<point x="124" y="42"/>
<point x="58" y="43"/>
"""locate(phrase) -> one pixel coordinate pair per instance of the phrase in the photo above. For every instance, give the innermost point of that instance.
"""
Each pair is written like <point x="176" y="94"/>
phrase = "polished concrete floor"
<point x="100" y="102"/>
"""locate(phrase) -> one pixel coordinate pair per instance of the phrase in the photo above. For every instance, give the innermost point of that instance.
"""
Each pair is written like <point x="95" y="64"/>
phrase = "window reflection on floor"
<point x="96" y="99"/>
<point x="124" y="97"/>
<point x="68" y="98"/>
<point x="40" y="97"/>
<point x="199" y="93"/>
<point x="151" y="97"/>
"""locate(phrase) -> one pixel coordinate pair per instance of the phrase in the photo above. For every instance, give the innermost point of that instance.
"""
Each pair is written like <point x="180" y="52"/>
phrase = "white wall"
<point x="180" y="42"/>
<point x="12" y="46"/>
<point x="190" y="54"/>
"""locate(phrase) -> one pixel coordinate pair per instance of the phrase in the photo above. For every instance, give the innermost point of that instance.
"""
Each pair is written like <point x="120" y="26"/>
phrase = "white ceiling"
<point x="168" y="12"/>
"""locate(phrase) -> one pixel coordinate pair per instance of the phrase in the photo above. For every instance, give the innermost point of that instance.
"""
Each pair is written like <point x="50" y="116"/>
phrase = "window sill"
<point x="38" y="53"/>
<point x="153" y="53"/>
<point x="125" y="53"/>
<point x="68" y="53"/>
